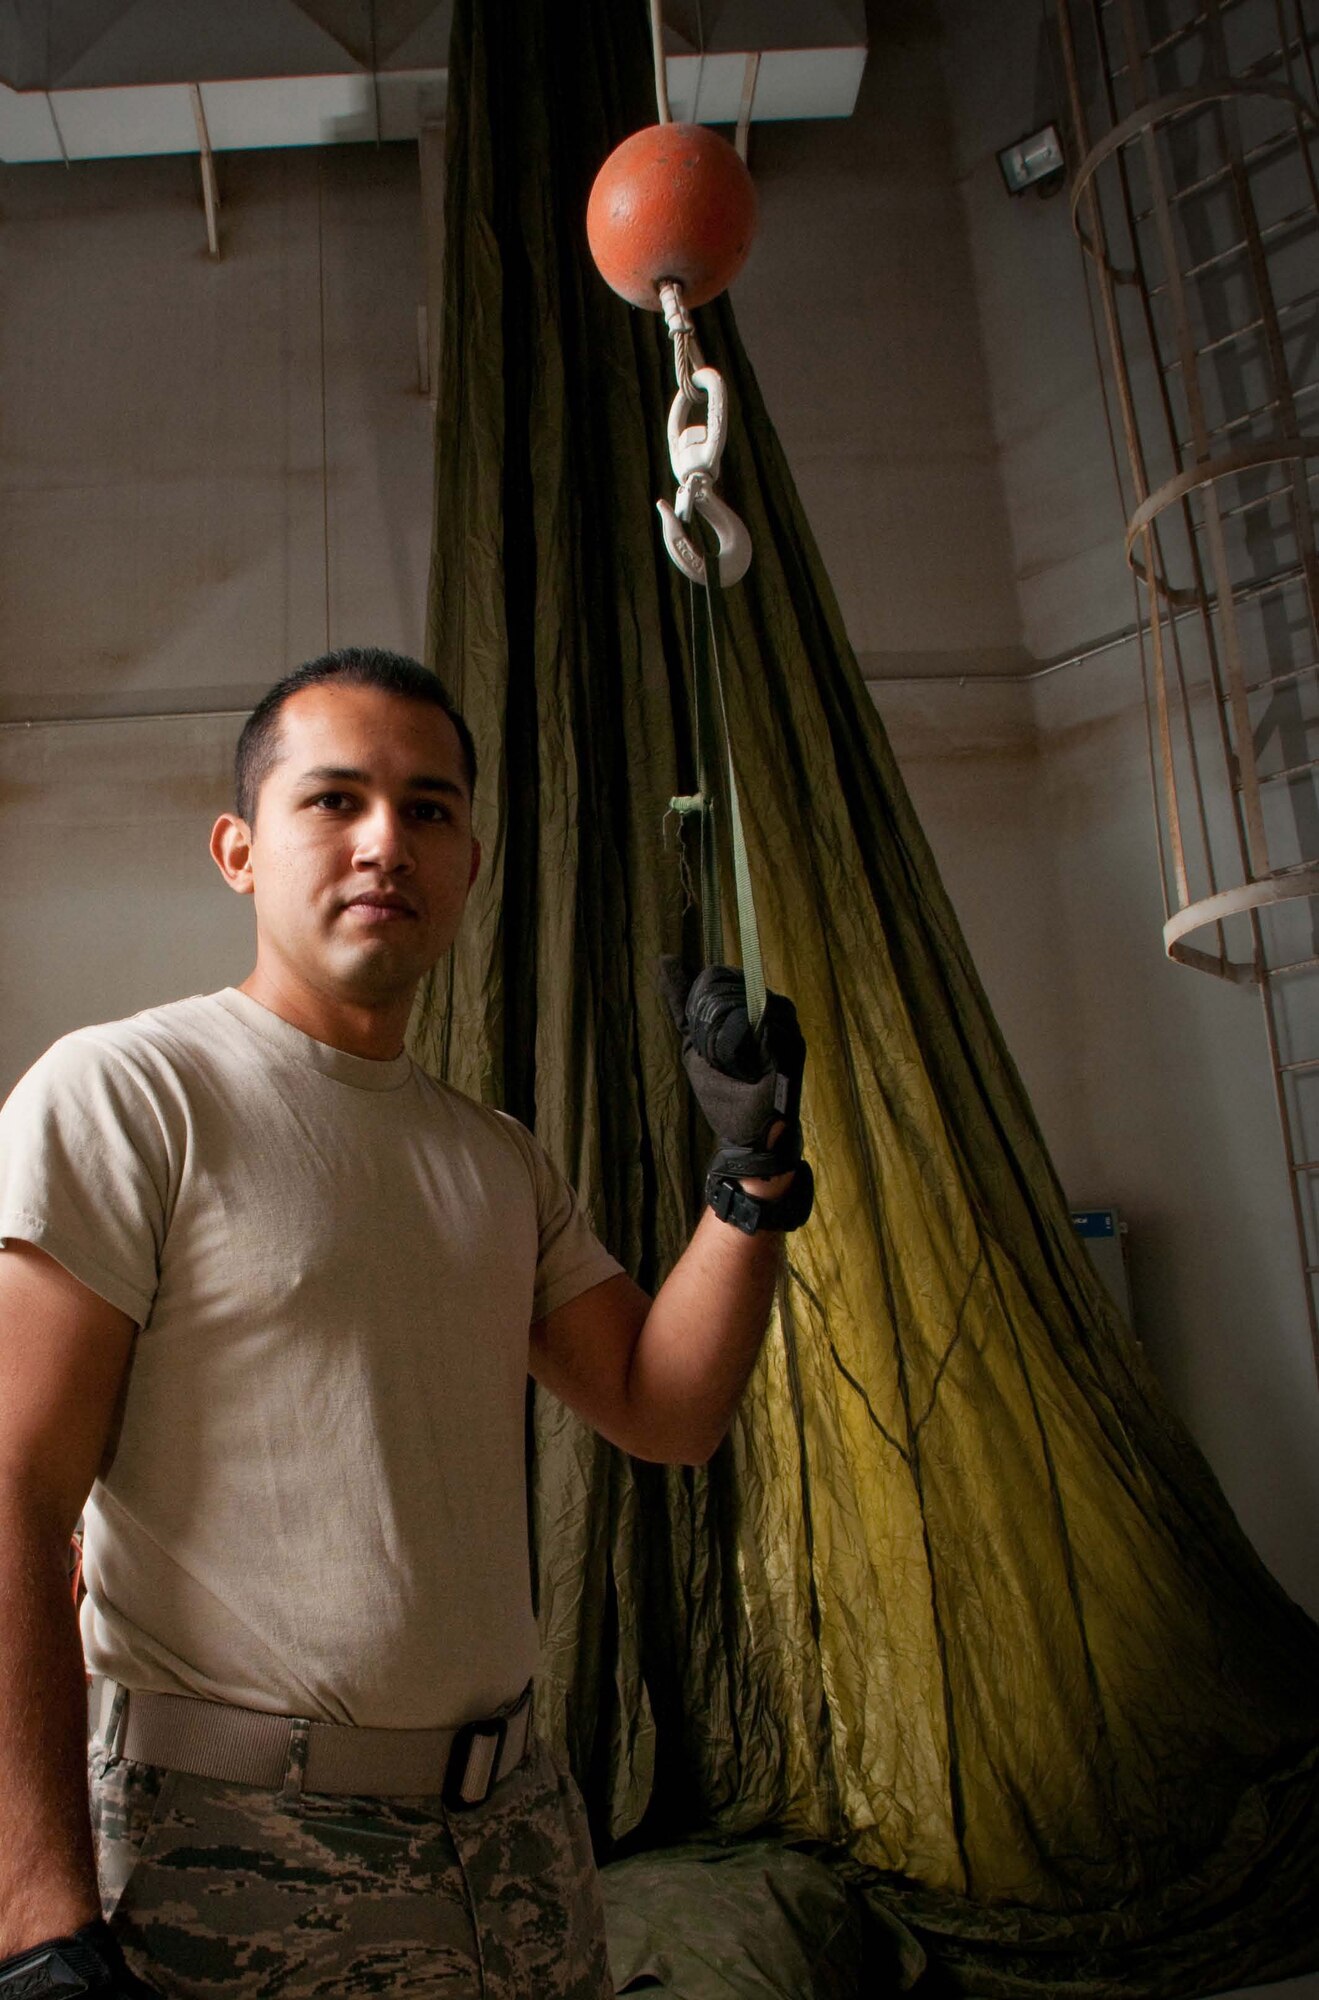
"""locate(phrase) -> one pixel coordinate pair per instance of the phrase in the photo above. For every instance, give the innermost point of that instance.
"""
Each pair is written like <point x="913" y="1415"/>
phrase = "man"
<point x="270" y="1294"/>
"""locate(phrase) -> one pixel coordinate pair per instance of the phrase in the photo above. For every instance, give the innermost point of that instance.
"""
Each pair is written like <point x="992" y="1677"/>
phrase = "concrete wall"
<point x="184" y="520"/>
<point x="1177" y="1121"/>
<point x="858" y="308"/>
<point x="170" y="477"/>
<point x="109" y="900"/>
<point x="924" y="346"/>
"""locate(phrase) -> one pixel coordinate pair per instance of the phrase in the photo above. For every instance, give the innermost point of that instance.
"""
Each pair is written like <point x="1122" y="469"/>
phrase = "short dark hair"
<point x="352" y="666"/>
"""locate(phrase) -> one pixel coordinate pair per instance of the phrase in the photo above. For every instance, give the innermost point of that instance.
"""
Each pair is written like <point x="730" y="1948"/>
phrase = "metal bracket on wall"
<point x="210" y="186"/>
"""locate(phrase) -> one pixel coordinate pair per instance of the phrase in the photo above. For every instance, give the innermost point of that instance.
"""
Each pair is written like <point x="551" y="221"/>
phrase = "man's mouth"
<point x="382" y="909"/>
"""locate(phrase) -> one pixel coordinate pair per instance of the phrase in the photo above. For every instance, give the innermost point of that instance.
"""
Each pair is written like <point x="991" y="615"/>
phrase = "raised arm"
<point x="662" y="1380"/>
<point x="63" y="1355"/>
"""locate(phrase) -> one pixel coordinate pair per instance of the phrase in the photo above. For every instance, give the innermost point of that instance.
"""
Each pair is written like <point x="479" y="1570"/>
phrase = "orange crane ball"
<point x="673" y="202"/>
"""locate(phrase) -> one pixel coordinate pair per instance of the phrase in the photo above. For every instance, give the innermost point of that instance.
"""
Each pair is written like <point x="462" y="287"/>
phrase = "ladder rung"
<point x="1281" y="579"/>
<point x="1285" y="311"/>
<point x="1297" y="965"/>
<point x="1276" y="142"/>
<point x="1274" y="58"/>
<point x="1175" y="35"/>
<point x="1305" y="1167"/>
<point x="1240" y="508"/>
<point x="1278" y="777"/>
<point x="1255" y="592"/>
<point x="1279" y="680"/>
<point x="1304" y="1062"/>
<point x="1303" y="216"/>
<point x="1260" y="67"/>
<point x="1290" y="868"/>
<point x="1225" y="429"/>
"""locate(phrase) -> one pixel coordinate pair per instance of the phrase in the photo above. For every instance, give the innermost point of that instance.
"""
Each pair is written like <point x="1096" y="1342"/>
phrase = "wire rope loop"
<point x="687" y="357"/>
<point x="683" y="343"/>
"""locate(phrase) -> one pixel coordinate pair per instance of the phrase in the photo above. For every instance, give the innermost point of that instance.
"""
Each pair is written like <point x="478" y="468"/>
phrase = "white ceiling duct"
<point x="100" y="79"/>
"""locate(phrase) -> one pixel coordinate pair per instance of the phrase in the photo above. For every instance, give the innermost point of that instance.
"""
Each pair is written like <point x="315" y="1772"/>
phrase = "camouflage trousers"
<point x="219" y="1890"/>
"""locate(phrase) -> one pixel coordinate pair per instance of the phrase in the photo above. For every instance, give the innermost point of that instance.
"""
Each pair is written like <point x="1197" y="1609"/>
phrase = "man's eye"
<point x="332" y="801"/>
<point x="431" y="811"/>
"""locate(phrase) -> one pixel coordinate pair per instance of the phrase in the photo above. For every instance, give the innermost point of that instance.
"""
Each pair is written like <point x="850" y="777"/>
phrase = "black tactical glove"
<point x="747" y="1081"/>
<point x="87" y="1961"/>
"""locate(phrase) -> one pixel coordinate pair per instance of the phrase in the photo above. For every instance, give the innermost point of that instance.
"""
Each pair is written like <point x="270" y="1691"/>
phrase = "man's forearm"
<point x="700" y="1340"/>
<point x="47" y="1874"/>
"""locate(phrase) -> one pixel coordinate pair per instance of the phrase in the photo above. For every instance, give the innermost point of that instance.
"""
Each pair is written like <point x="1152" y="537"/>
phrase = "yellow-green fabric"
<point x="749" y="1920"/>
<point x="959" y="1597"/>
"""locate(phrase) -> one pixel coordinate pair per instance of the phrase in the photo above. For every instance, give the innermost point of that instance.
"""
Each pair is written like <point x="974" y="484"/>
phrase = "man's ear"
<point x="231" y="851"/>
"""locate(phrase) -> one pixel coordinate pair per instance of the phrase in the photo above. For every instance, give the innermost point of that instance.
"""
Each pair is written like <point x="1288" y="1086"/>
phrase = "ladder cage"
<point x="1195" y="125"/>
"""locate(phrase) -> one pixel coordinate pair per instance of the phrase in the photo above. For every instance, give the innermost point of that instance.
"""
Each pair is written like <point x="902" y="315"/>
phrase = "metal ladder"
<point x="1196" y="128"/>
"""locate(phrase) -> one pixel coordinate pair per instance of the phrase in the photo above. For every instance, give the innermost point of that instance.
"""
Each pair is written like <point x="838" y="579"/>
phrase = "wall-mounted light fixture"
<point x="1036" y="161"/>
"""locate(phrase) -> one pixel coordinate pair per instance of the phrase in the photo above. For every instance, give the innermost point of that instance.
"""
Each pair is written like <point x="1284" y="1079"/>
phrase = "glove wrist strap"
<point x="759" y="1163"/>
<point x="750" y="1212"/>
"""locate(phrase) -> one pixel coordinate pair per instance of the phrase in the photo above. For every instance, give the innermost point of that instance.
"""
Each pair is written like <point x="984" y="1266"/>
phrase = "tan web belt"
<point x="242" y="1746"/>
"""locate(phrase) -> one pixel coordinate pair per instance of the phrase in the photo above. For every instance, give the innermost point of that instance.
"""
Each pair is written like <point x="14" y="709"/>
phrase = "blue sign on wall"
<point x="1093" y="1221"/>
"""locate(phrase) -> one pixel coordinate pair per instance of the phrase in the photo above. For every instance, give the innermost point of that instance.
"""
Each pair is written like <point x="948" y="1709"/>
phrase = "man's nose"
<point x="384" y="840"/>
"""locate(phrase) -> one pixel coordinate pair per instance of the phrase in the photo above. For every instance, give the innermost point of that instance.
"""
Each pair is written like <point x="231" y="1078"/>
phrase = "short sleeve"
<point x="85" y="1169"/>
<point x="572" y="1258"/>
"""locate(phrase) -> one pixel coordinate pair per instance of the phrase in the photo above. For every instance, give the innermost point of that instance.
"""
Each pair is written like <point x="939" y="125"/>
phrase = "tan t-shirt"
<point x="316" y="1503"/>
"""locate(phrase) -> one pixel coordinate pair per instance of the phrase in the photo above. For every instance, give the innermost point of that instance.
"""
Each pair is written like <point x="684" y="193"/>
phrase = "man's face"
<point x="362" y="854"/>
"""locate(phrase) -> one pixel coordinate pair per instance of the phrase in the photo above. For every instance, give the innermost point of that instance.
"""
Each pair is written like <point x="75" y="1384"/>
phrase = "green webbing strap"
<point x="707" y="786"/>
<point x="708" y="686"/>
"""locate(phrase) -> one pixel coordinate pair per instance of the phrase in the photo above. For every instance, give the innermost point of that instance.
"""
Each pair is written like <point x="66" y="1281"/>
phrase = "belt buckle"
<point x="494" y="1728"/>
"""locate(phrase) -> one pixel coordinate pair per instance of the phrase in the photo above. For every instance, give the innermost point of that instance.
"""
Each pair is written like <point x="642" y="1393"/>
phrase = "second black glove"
<point x="87" y="1961"/>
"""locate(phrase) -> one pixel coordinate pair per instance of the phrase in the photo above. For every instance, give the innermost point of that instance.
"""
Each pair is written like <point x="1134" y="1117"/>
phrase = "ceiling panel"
<point x="95" y="44"/>
<point x="71" y="32"/>
<point x="272" y="70"/>
<point x="725" y="25"/>
<point x="347" y="22"/>
<point x="403" y="34"/>
<point x="423" y="43"/>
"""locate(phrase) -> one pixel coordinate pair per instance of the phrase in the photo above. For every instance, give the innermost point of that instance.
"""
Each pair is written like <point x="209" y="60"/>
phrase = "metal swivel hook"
<point x="699" y="447"/>
<point x="695" y="452"/>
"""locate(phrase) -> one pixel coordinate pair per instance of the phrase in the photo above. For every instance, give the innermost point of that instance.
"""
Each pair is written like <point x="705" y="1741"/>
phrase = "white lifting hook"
<point x="695" y="452"/>
<point x="734" y="541"/>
